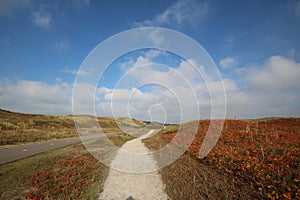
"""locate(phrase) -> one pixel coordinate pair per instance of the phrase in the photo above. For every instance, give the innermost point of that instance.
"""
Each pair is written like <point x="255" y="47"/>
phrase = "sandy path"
<point x="123" y="185"/>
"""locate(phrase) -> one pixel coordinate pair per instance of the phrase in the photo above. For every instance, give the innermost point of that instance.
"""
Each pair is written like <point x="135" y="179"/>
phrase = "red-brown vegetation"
<point x="69" y="179"/>
<point x="263" y="153"/>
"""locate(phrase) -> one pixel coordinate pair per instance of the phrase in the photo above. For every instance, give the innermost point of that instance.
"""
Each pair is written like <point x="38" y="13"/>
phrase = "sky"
<point x="255" y="46"/>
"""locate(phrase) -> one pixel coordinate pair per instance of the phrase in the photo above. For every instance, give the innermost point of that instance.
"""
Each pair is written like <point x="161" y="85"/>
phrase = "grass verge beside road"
<point x="66" y="173"/>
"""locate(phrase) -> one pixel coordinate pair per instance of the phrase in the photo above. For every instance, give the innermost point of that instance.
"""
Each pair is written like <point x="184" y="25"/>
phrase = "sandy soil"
<point x="125" y="183"/>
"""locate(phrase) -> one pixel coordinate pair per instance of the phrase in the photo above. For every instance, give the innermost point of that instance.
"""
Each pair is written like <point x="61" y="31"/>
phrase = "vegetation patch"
<point x="119" y="139"/>
<point x="18" y="128"/>
<point x="67" y="173"/>
<point x="263" y="154"/>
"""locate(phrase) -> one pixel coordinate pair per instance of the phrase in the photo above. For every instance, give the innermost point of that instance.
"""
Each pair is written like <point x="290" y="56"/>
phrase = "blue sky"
<point x="255" y="45"/>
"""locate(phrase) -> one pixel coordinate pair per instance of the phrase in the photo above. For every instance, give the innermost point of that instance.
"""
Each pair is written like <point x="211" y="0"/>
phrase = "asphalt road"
<point x="22" y="151"/>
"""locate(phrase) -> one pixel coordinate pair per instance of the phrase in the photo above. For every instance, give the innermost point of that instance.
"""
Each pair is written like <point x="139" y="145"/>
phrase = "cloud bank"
<point x="269" y="89"/>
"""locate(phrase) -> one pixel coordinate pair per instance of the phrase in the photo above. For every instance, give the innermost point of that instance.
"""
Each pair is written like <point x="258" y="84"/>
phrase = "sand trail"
<point x="126" y="184"/>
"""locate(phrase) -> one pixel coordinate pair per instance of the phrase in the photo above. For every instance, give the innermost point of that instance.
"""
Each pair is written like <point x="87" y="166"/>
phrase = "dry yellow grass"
<point x="19" y="128"/>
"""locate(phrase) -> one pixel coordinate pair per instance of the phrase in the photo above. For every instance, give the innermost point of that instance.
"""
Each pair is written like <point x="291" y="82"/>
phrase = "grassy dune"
<point x="19" y="128"/>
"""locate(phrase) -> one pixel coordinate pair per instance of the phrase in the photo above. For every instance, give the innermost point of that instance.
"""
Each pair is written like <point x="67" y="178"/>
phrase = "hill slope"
<point x="19" y="127"/>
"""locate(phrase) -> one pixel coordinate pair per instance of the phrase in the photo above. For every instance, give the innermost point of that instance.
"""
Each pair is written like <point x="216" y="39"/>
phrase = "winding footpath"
<point x="129" y="185"/>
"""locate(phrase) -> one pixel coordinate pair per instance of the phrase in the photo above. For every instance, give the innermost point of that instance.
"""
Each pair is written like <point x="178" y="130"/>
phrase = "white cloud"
<point x="228" y="62"/>
<point x="153" y="53"/>
<point x="78" y="72"/>
<point x="156" y="37"/>
<point x="119" y="94"/>
<point x="190" y="12"/>
<point x="62" y="45"/>
<point x="137" y="103"/>
<point x="278" y="74"/>
<point x="83" y="98"/>
<point x="43" y="19"/>
<point x="142" y="60"/>
<point x="176" y="91"/>
<point x="272" y="89"/>
<point x="10" y="7"/>
<point x="103" y="90"/>
<point x="35" y="97"/>
<point x="41" y="97"/>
